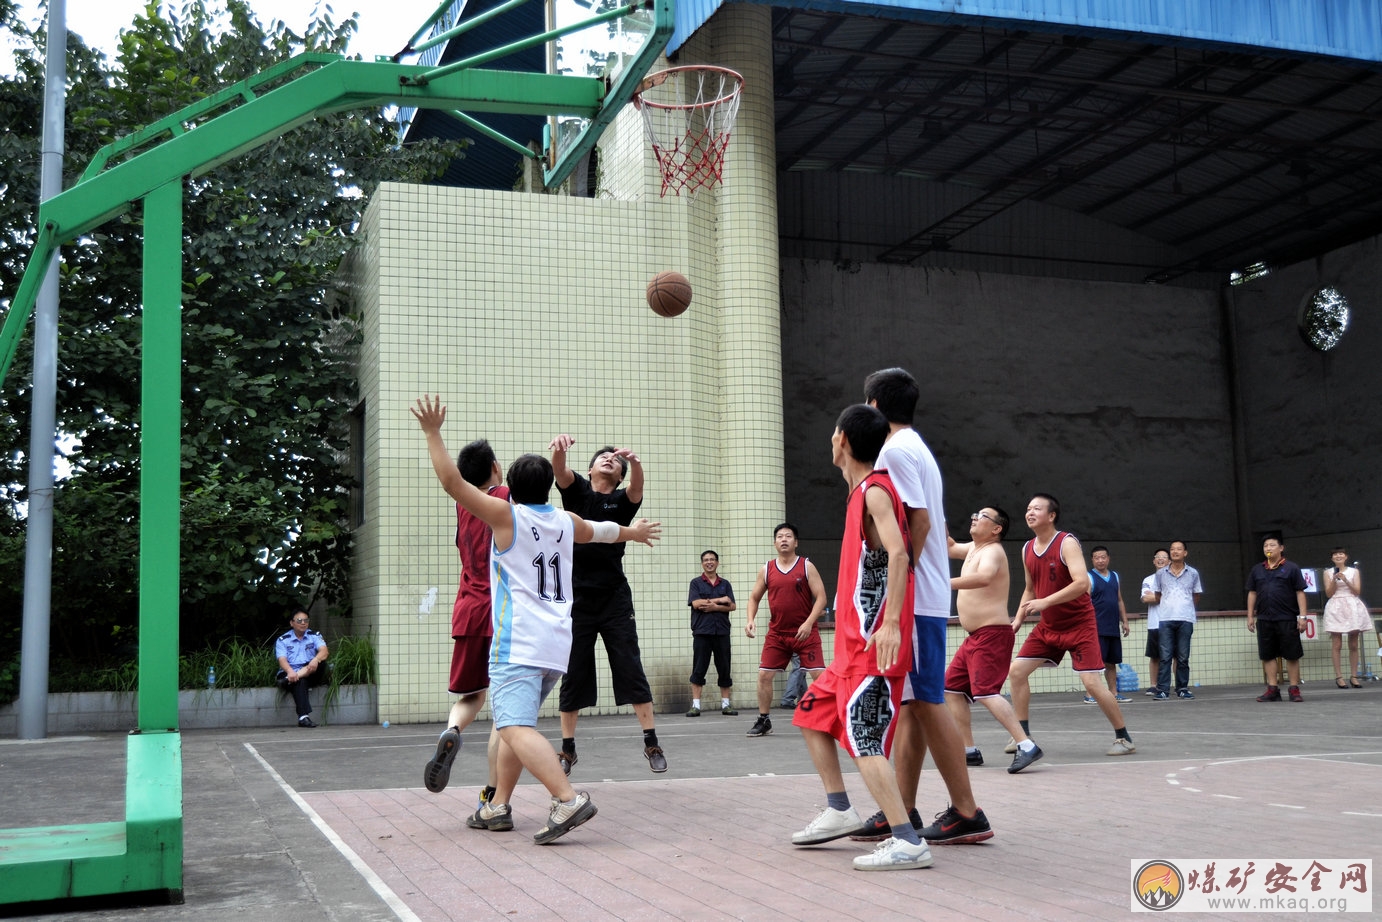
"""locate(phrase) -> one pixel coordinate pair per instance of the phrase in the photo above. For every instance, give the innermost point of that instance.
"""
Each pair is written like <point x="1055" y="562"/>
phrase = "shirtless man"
<point x="980" y="665"/>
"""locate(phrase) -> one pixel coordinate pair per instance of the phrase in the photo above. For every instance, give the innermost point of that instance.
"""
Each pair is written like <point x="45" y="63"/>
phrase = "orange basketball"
<point x="669" y="294"/>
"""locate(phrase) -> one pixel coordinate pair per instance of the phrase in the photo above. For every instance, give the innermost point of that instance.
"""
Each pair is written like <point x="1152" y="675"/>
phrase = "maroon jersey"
<point x="862" y="591"/>
<point x="1050" y="575"/>
<point x="470" y="616"/>
<point x="789" y="596"/>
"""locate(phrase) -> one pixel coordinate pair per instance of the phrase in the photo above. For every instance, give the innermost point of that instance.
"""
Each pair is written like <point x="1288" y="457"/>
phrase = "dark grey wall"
<point x="1312" y="423"/>
<point x="1113" y="397"/>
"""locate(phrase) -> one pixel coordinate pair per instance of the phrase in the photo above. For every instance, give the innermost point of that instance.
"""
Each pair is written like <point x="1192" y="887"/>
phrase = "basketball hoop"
<point x="688" y="113"/>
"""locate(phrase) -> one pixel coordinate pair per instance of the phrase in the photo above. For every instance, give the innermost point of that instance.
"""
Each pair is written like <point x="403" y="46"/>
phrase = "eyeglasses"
<point x="1160" y="559"/>
<point x="976" y="516"/>
<point x="299" y="620"/>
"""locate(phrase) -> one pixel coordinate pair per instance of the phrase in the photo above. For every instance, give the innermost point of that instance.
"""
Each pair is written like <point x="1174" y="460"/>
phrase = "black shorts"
<point x="1153" y="644"/>
<point x="1111" y="646"/>
<point x="1278" y="638"/>
<point x="703" y="647"/>
<point x="607" y="614"/>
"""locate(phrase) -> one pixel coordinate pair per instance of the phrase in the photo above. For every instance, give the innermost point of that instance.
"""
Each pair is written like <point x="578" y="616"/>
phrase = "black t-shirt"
<point x="598" y="565"/>
<point x="709" y="622"/>
<point x="1276" y="591"/>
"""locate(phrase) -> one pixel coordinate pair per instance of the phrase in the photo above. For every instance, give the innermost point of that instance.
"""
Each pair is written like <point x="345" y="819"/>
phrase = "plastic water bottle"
<point x="385" y="725"/>
<point x="211" y="677"/>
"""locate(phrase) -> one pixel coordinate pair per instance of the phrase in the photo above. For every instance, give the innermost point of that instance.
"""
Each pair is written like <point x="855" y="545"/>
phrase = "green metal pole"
<point x="160" y="451"/>
<point x="469" y="24"/>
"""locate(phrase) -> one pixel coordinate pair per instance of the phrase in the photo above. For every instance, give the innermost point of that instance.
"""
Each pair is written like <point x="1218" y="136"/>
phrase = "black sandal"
<point x="1354" y="683"/>
<point x="1339" y="682"/>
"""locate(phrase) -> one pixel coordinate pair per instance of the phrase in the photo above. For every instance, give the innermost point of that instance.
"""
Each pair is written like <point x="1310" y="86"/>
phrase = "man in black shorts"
<point x="1276" y="613"/>
<point x="602" y="604"/>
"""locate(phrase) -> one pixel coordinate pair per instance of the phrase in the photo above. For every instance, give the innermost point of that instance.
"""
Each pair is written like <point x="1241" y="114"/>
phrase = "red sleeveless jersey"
<point x="789" y="596"/>
<point x="1050" y="575"/>
<point x="470" y="615"/>
<point x="862" y="591"/>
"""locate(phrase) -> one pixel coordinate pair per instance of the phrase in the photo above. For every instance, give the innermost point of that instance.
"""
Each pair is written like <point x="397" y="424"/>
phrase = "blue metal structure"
<point x="1337" y="28"/>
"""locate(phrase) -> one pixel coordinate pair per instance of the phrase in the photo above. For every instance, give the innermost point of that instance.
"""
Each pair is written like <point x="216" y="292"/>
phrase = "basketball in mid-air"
<point x="669" y="294"/>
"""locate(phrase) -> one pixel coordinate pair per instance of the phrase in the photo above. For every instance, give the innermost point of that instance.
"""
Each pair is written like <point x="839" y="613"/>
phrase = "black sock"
<point x="1122" y="734"/>
<point x="568" y="744"/>
<point x="1025" y="729"/>
<point x="650" y="737"/>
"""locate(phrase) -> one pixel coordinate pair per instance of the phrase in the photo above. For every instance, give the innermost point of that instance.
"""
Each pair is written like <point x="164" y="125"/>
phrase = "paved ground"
<point x="334" y="824"/>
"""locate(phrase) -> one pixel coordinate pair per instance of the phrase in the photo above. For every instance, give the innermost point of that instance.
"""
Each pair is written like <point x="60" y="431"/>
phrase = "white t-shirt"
<point x="917" y="477"/>
<point x="1153" y="609"/>
<point x="1178" y="593"/>
<point x="530" y="584"/>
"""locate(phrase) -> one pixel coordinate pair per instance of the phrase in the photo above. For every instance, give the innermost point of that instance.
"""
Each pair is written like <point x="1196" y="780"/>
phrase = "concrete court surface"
<point x="334" y="824"/>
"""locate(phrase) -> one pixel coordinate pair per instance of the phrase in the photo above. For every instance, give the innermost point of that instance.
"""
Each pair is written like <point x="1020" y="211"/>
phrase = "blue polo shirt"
<point x="298" y="651"/>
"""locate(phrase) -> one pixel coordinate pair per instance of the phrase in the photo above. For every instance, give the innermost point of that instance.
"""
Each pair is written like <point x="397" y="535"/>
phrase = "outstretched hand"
<point x="561" y="443"/>
<point x="429" y="413"/>
<point x="627" y="454"/>
<point x="646" y="532"/>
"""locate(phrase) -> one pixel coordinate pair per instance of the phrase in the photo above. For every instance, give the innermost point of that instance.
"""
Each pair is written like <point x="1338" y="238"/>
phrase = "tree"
<point x="268" y="354"/>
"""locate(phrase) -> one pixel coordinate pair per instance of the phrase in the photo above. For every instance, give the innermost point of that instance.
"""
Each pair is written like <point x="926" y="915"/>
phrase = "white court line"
<point x="1287" y="806"/>
<point x="376" y="883"/>
<point x="1301" y="755"/>
<point x="1228" y="796"/>
<point x="1351" y="813"/>
<point x="1193" y="790"/>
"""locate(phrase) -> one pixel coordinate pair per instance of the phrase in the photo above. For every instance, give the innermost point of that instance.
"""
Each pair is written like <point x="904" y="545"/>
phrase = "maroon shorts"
<point x="980" y="666"/>
<point x="470" y="664"/>
<point x="1080" y="641"/>
<point x="779" y="646"/>
<point x="859" y="711"/>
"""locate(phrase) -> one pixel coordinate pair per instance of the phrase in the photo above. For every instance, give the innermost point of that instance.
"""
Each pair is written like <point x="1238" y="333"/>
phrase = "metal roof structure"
<point x="1229" y="155"/>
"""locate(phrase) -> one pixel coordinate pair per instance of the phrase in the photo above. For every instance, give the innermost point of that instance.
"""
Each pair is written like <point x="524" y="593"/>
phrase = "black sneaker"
<point x="1022" y="759"/>
<point x="763" y="726"/>
<point x="952" y="828"/>
<point x="306" y="722"/>
<point x="656" y="760"/>
<point x="876" y="827"/>
<point x="1273" y="693"/>
<point x="438" y="770"/>
<point x="974" y="758"/>
<point x="565" y="817"/>
<point x="567" y="759"/>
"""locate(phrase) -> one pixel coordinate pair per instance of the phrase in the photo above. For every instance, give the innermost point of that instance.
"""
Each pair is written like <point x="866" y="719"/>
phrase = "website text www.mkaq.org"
<point x="1278" y="903"/>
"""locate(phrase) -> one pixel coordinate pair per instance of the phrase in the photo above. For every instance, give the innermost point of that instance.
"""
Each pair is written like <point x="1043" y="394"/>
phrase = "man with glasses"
<point x="980" y="667"/>
<point x="1159" y="560"/>
<point x="301" y="656"/>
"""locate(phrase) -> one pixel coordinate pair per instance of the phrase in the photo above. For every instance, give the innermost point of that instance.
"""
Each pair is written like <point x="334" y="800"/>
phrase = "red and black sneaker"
<point x="954" y="828"/>
<point x="1271" y="694"/>
<point x="1294" y="692"/>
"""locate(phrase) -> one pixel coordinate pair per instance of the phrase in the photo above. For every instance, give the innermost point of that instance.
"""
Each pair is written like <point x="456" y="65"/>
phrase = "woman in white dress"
<point x="1344" y="613"/>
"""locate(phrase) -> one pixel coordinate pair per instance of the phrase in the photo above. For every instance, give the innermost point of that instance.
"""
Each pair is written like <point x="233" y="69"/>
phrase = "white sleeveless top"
<point x="530" y="587"/>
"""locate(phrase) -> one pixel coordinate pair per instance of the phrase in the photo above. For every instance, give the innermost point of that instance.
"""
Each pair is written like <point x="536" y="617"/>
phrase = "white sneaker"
<point x="1122" y="747"/>
<point x="1011" y="747"/>
<point x="895" y="855"/>
<point x="831" y="824"/>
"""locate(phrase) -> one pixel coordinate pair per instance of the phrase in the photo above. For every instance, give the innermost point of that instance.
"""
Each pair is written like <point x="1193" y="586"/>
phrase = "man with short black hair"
<point x="711" y="599"/>
<point x="1160" y="558"/>
<point x="301" y="654"/>
<point x="1110" y="616"/>
<point x="603" y="603"/>
<point x="1178" y="590"/>
<point x="1276" y="613"/>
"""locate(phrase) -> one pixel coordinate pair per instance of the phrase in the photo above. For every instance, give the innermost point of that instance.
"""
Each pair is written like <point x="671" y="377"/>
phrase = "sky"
<point x="385" y="25"/>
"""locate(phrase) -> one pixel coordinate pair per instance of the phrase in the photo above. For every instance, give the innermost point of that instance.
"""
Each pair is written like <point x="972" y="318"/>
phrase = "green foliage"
<point x="268" y="355"/>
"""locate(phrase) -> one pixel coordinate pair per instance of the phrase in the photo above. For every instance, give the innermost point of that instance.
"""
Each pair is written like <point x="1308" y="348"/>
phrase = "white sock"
<point x="724" y="702"/>
<point x="969" y="749"/>
<point x="696" y="703"/>
<point x="1026" y="745"/>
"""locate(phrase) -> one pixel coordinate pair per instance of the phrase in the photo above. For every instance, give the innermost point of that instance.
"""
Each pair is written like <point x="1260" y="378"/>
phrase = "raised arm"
<point x="491" y="510"/>
<point x="634" y="491"/>
<point x="563" y="474"/>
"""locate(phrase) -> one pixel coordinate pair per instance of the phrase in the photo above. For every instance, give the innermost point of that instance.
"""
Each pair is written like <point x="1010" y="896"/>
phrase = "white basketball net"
<point x="688" y="114"/>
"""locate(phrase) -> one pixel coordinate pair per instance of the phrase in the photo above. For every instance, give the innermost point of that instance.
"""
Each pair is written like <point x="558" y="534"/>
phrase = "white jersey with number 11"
<point x="530" y="584"/>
